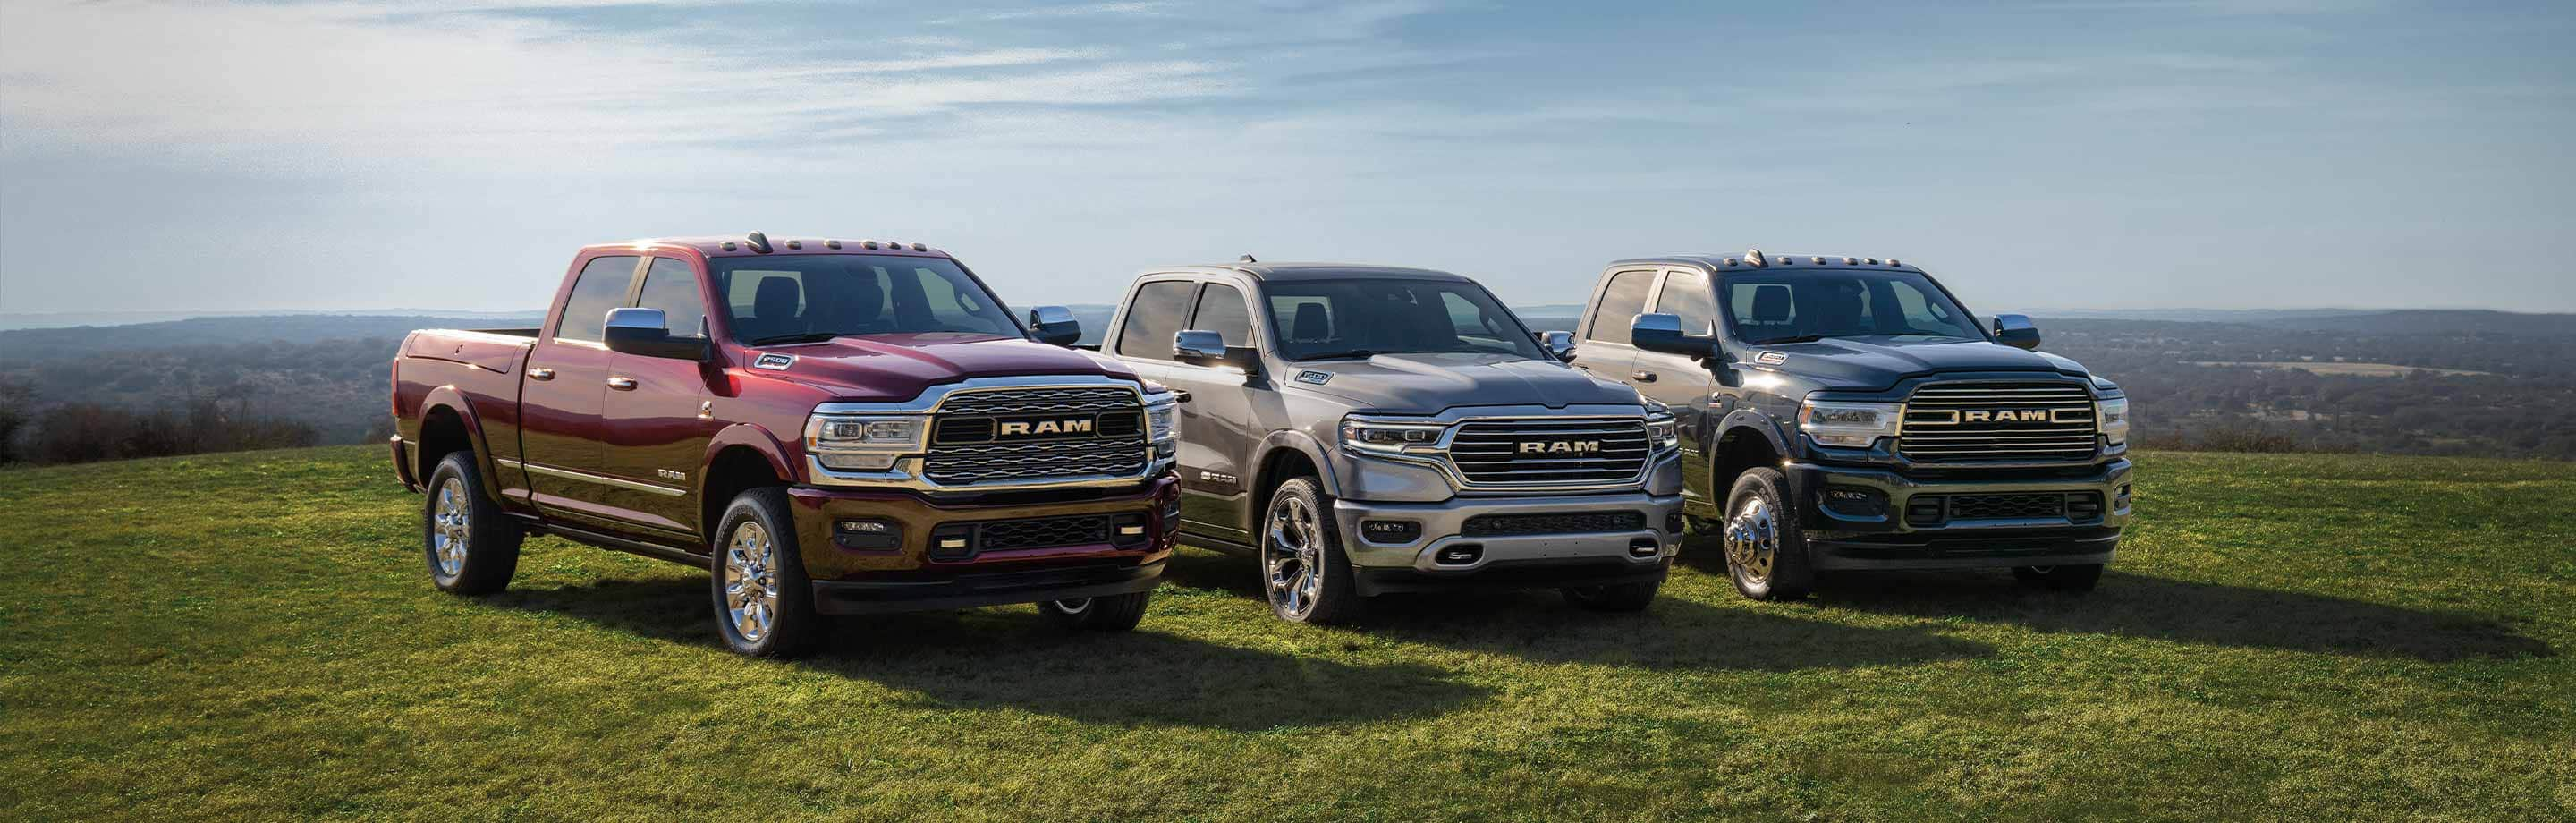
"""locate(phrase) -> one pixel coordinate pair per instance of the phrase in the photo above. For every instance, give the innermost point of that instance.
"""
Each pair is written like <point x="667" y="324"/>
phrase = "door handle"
<point x="622" y="383"/>
<point x="1642" y="376"/>
<point x="541" y="374"/>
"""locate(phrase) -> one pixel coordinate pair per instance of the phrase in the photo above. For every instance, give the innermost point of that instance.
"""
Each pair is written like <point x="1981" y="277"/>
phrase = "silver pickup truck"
<point x="1366" y="429"/>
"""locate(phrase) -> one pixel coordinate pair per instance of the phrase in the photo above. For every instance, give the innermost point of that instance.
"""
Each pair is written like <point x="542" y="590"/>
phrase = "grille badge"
<point x="1560" y="447"/>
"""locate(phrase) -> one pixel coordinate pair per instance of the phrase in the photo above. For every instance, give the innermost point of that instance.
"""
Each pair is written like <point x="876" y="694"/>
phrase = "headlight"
<point x="1848" y="425"/>
<point x="1162" y="419"/>
<point x="1661" y="429"/>
<point x="864" y="442"/>
<point x="2113" y="414"/>
<point x="1387" y="437"/>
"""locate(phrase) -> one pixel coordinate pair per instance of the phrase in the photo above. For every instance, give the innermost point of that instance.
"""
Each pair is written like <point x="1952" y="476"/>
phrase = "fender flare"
<point x="453" y="399"/>
<point x="1287" y="440"/>
<point x="1748" y="419"/>
<point x="749" y="435"/>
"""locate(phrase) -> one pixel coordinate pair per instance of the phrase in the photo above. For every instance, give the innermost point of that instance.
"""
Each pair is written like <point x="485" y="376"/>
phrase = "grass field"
<point x="2284" y="637"/>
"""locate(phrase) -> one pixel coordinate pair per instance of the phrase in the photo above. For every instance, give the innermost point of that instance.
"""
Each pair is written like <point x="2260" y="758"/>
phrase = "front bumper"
<point x="966" y="591"/>
<point x="1840" y="538"/>
<point x="945" y="552"/>
<point x="1569" y="558"/>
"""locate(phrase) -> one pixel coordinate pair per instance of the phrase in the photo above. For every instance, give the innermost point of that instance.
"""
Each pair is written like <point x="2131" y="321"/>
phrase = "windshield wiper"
<point x="807" y="337"/>
<point x="1803" y="338"/>
<point x="1341" y="355"/>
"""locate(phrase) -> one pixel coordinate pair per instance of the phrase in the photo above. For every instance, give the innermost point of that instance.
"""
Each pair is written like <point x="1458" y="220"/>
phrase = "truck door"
<point x="1223" y="421"/>
<point x="560" y="435"/>
<point x="655" y="416"/>
<point x="1601" y="347"/>
<point x="1683" y="383"/>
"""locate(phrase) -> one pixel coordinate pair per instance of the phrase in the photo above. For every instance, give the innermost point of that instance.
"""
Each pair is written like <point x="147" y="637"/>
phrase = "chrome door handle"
<point x="622" y="383"/>
<point x="1642" y="376"/>
<point x="541" y="374"/>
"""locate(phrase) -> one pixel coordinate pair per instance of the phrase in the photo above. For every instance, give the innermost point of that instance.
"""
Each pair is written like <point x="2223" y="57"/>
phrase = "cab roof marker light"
<point x="1848" y="261"/>
<point x="1895" y="262"/>
<point x="831" y="244"/>
<point x="758" y="242"/>
<point x="1730" y="261"/>
<point x="796" y="244"/>
<point x="1870" y="260"/>
<point x="1753" y="257"/>
<point x="920" y="247"/>
<point x="1246" y="259"/>
<point x="1818" y="259"/>
<point x="867" y="244"/>
<point x="728" y="245"/>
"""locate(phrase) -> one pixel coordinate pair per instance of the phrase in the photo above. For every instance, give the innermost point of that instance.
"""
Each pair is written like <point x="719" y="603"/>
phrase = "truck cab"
<point x="1364" y="430"/>
<point x="830" y="426"/>
<point x="1848" y="413"/>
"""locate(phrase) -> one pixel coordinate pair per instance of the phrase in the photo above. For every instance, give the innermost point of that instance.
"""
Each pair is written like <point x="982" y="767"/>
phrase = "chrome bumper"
<point x="1443" y="523"/>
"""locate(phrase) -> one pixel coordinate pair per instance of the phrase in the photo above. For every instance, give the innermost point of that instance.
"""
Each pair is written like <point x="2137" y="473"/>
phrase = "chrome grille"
<point x="1595" y="451"/>
<point x="2031" y="421"/>
<point x="965" y="450"/>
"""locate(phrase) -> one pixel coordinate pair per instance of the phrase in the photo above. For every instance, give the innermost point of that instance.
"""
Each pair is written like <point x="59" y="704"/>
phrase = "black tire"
<point x="1617" y="597"/>
<point x="1789" y="574"/>
<point x="1333" y="598"/>
<point x="792" y="626"/>
<point x="1114" y="613"/>
<point x="483" y="543"/>
<point x="2061" y="578"/>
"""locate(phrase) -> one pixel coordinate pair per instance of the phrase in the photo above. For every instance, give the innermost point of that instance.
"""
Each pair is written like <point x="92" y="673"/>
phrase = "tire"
<point x="764" y="603"/>
<point x="1766" y="553"/>
<point x="1303" y="571"/>
<point x="2061" y="578"/>
<point x="1114" y="613"/>
<point x="1617" y="597"/>
<point x="472" y="548"/>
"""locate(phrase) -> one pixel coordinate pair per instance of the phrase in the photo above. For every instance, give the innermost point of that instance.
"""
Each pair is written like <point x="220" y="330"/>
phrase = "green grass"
<point x="2286" y="637"/>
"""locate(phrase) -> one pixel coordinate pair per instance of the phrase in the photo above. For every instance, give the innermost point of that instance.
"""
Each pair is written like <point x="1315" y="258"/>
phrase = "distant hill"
<point x="2440" y="321"/>
<point x="60" y="319"/>
<point x="52" y="343"/>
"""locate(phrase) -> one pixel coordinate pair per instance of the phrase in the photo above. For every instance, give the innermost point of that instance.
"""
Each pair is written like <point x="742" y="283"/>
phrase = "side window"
<point x="1686" y="295"/>
<point x="601" y="286"/>
<point x="671" y="286"/>
<point x="1620" y="304"/>
<point x="1221" y="311"/>
<point x="1153" y="318"/>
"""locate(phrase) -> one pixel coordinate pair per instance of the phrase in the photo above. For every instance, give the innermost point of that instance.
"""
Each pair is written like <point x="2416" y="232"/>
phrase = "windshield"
<point x="779" y="298"/>
<point x="1314" y="319"/>
<point x="1785" y="307"/>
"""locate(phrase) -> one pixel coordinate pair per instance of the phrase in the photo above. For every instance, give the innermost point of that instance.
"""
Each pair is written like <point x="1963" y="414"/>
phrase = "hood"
<point x="1879" y="362"/>
<point x="894" y="367"/>
<point x="1429" y="383"/>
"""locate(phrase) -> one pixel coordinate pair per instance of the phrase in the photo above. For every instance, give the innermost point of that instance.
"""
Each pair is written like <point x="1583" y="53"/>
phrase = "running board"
<point x="604" y="541"/>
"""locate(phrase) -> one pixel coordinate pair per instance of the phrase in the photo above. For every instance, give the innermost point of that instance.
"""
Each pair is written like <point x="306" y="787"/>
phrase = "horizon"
<point x="2189" y="155"/>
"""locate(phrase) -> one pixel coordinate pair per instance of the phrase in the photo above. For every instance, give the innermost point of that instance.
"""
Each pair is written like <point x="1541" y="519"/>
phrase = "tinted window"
<point x="1774" y="307"/>
<point x="1686" y="295"/>
<point x="1154" y="317"/>
<point x="601" y="286"/>
<point x="1221" y="310"/>
<point x="787" y="295"/>
<point x="1358" y="317"/>
<point x="1620" y="304"/>
<point x="670" y="286"/>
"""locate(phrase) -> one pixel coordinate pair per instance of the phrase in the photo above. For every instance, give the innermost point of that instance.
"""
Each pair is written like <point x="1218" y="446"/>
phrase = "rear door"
<point x="655" y="415"/>
<point x="1601" y="347"/>
<point x="560" y="433"/>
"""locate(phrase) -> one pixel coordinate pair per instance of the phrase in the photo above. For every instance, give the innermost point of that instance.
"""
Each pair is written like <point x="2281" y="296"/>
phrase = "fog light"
<point x="1390" y="531"/>
<point x="1459" y="555"/>
<point x="1864" y="504"/>
<point x="867" y="535"/>
<point x="1127" y="529"/>
<point x="952" y="542"/>
<point x="1644" y="547"/>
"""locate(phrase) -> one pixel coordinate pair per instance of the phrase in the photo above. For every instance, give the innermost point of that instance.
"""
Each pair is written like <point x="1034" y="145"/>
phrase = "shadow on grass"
<point x="1673" y="635"/>
<point x="987" y="658"/>
<point x="2134" y="605"/>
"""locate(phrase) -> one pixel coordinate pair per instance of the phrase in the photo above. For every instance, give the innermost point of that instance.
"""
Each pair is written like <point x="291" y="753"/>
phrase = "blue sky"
<point x="452" y="153"/>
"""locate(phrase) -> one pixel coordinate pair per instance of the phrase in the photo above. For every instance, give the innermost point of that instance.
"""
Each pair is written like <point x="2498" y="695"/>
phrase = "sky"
<point x="227" y="156"/>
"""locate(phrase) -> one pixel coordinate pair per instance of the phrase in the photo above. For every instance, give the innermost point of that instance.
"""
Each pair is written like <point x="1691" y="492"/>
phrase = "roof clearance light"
<point x="728" y="246"/>
<point x="795" y="244"/>
<point x="1753" y="257"/>
<point x="920" y="247"/>
<point x="867" y="244"/>
<point x="1819" y="260"/>
<point x="831" y="244"/>
<point x="1870" y="260"/>
<point x="1895" y="262"/>
<point x="1730" y="261"/>
<point x="1849" y="261"/>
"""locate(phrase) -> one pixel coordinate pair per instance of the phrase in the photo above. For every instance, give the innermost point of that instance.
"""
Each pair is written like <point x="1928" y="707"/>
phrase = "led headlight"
<point x="1162" y="419"/>
<point x="1661" y="428"/>
<point x="1387" y="437"/>
<point x="2113" y="414"/>
<point x="1848" y="425"/>
<point x="864" y="442"/>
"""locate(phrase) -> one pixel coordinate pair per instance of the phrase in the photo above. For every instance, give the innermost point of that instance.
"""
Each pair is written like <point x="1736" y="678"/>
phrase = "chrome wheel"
<point x="1293" y="556"/>
<point x="451" y="525"/>
<point x="751" y="581"/>
<point x="1753" y="540"/>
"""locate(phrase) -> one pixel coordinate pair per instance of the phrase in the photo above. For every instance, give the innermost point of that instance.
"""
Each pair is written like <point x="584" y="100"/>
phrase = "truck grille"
<point x="1009" y="435"/>
<point x="1953" y="422"/>
<point x="1043" y="532"/>
<point x="1549" y="452"/>
<point x="1510" y="525"/>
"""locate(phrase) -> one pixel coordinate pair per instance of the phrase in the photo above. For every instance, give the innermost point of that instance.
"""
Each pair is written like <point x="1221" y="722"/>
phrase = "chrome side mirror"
<point x="2017" y="331"/>
<point x="1199" y="347"/>
<point x="1663" y="333"/>
<point x="1054" y="326"/>
<point x="647" y="333"/>
<point x="1559" y="345"/>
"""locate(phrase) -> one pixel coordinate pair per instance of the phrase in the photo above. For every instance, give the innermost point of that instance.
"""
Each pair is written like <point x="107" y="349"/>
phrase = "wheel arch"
<point x="1281" y="456"/>
<point x="448" y="425"/>
<point x="741" y="457"/>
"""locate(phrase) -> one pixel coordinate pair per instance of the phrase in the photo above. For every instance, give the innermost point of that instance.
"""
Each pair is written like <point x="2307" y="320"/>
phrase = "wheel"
<point x="1766" y="554"/>
<point x="1114" y="613"/>
<point x="471" y="546"/>
<point x="1617" y="597"/>
<point x="1302" y="566"/>
<point x="764" y="602"/>
<point x="2062" y="578"/>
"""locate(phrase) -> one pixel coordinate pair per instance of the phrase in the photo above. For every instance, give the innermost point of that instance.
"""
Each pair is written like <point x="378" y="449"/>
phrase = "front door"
<point x="560" y="433"/>
<point x="1684" y="383"/>
<point x="1219" y="422"/>
<point x="656" y="414"/>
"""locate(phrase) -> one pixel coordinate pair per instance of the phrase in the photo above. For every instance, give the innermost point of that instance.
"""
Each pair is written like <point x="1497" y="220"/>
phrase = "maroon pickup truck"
<point x="829" y="426"/>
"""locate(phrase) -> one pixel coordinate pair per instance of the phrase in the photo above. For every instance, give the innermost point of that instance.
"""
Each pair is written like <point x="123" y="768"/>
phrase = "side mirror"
<point x="2017" y="331"/>
<point x="1663" y="333"/>
<point x="1559" y="345"/>
<point x="1054" y="326"/>
<point x="1199" y="347"/>
<point x="647" y="333"/>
